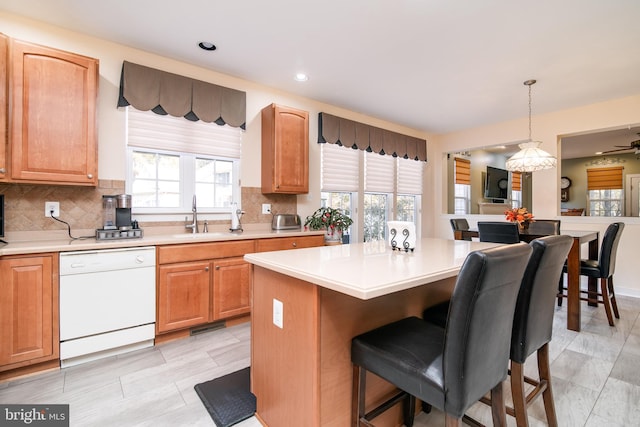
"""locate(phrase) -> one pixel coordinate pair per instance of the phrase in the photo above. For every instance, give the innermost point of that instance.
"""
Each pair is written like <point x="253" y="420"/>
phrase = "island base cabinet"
<point x="28" y="311"/>
<point x="301" y="373"/>
<point x="183" y="295"/>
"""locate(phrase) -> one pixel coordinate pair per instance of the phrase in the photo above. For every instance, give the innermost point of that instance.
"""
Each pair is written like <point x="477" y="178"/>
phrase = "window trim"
<point x="187" y="188"/>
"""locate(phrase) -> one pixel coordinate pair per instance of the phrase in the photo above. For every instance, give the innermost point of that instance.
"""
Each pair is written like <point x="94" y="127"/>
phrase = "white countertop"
<point x="369" y="270"/>
<point x="60" y="242"/>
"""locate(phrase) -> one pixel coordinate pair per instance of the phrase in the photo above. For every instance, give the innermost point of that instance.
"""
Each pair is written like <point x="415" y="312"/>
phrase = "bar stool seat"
<point x="450" y="367"/>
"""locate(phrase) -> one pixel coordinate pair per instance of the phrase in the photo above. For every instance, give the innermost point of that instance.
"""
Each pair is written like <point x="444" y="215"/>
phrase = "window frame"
<point x="187" y="183"/>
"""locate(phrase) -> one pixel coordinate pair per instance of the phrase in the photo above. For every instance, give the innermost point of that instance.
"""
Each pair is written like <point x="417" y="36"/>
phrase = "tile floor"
<point x="596" y="378"/>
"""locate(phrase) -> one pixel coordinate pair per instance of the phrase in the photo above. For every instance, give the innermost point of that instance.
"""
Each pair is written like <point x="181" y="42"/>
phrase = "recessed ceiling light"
<point x="301" y="77"/>
<point x="207" y="46"/>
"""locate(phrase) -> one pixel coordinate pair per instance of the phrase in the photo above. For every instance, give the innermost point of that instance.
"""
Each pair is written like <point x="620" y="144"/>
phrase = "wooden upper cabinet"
<point x="53" y="115"/>
<point x="285" y="150"/>
<point x="4" y="47"/>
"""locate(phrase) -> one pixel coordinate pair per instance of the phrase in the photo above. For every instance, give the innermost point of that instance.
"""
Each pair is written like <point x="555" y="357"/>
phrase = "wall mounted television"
<point x="496" y="185"/>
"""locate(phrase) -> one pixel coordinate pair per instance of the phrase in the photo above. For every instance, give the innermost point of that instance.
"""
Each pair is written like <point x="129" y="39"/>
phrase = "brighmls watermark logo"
<point x="34" y="415"/>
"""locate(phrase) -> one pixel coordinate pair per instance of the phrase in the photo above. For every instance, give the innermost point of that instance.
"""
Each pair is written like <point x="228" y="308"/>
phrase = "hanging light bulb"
<point x="531" y="157"/>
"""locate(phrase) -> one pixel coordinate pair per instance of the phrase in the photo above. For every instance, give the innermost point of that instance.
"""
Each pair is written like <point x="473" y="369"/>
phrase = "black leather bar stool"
<point x="532" y="325"/>
<point x="602" y="269"/>
<point x="449" y="367"/>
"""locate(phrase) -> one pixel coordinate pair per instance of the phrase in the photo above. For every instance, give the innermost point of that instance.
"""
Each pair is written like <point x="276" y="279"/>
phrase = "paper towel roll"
<point x="235" y="223"/>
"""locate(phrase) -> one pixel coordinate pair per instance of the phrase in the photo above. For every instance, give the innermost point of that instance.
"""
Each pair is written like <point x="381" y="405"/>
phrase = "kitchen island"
<point x="307" y="306"/>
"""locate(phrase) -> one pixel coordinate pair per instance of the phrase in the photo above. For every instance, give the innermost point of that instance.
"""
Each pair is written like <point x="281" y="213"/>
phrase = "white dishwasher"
<point x="107" y="303"/>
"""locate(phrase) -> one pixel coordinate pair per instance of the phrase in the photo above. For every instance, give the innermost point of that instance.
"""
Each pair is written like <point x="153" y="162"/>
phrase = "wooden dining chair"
<point x="603" y="269"/>
<point x="498" y="232"/>
<point x="460" y="224"/>
<point x="454" y="366"/>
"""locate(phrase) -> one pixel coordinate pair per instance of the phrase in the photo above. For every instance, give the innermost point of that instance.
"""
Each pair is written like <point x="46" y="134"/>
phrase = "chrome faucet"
<point x="194" y="224"/>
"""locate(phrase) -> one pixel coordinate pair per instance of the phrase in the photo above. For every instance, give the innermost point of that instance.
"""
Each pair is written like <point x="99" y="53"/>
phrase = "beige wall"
<point x="111" y="120"/>
<point x="548" y="128"/>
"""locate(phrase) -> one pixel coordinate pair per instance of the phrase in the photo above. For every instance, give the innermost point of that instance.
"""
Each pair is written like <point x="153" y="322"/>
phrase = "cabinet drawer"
<point x="203" y="251"/>
<point x="283" y="243"/>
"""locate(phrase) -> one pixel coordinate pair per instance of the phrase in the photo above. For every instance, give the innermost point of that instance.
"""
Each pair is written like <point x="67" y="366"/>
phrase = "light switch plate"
<point x="278" y="313"/>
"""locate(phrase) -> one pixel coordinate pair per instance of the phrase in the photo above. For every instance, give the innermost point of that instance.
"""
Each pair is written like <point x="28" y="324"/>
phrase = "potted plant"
<point x="334" y="221"/>
<point x="520" y="215"/>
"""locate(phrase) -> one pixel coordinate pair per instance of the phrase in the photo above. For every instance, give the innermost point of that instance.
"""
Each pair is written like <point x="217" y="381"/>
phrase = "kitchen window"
<point x="391" y="188"/>
<point x="170" y="159"/>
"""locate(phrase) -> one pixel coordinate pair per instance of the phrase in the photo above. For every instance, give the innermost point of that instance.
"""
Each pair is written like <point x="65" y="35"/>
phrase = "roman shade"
<point x="516" y="181"/>
<point x="337" y="130"/>
<point x="339" y="168"/>
<point x="604" y="178"/>
<point x="165" y="93"/>
<point x="462" y="169"/>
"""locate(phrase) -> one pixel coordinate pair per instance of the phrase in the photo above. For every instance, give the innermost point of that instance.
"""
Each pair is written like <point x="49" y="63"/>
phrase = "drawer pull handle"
<point x="295" y="245"/>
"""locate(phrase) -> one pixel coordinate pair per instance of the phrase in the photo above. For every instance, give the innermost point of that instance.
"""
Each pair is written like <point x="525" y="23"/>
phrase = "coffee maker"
<point x="117" y="223"/>
<point x="123" y="212"/>
<point x="116" y="212"/>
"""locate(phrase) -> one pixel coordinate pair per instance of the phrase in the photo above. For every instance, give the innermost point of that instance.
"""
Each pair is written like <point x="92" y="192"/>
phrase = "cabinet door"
<point x="285" y="150"/>
<point x="27" y="310"/>
<point x="4" y="40"/>
<point x="183" y="295"/>
<point x="53" y="120"/>
<point x="231" y="288"/>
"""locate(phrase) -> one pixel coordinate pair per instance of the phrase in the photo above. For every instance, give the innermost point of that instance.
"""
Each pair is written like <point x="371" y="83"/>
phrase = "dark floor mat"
<point x="228" y="399"/>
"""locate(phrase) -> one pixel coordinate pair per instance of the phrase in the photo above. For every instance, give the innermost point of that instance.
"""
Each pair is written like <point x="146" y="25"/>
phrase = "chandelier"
<point x="531" y="157"/>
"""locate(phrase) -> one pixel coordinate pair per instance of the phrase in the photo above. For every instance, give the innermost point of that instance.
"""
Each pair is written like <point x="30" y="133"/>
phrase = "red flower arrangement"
<point x="520" y="215"/>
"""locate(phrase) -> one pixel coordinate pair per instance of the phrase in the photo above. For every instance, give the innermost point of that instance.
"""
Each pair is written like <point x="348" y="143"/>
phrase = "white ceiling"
<point x="432" y="65"/>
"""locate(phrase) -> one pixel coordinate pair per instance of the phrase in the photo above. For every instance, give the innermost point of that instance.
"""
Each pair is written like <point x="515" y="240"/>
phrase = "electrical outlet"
<point x="52" y="207"/>
<point x="278" y="313"/>
<point x="266" y="208"/>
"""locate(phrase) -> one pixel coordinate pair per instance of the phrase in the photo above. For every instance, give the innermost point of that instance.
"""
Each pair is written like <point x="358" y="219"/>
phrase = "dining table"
<point x="580" y="237"/>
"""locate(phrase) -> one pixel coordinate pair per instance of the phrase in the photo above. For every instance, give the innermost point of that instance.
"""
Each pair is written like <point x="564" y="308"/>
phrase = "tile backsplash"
<point x="81" y="207"/>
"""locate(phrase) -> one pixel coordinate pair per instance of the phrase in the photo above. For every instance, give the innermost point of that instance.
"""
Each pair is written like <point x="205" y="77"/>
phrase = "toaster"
<point x="285" y="222"/>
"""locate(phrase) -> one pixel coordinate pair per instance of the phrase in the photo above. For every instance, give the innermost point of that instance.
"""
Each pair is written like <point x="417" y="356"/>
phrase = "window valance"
<point x="337" y="130"/>
<point x="165" y="93"/>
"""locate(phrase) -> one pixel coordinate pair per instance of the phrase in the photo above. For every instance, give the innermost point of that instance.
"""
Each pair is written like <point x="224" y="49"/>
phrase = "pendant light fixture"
<point x="531" y="157"/>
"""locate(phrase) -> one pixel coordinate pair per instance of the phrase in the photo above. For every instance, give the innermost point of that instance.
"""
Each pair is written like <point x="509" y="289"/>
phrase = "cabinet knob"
<point x="90" y="176"/>
<point x="295" y="245"/>
<point x="3" y="170"/>
<point x="217" y="267"/>
<point x="206" y="269"/>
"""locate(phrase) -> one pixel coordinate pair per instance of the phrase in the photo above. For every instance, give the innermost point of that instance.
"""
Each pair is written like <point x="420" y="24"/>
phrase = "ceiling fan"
<point x="633" y="145"/>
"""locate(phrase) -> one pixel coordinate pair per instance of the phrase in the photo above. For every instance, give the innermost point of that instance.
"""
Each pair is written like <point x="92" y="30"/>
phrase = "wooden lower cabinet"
<point x="231" y="288"/>
<point x="200" y="283"/>
<point x="28" y="310"/>
<point x="183" y="295"/>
